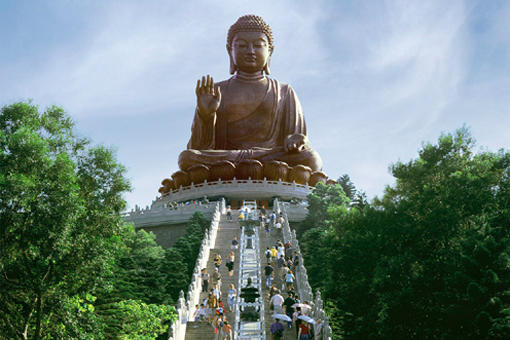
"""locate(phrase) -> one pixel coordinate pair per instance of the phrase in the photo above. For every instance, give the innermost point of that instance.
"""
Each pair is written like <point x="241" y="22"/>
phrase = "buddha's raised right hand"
<point x="208" y="98"/>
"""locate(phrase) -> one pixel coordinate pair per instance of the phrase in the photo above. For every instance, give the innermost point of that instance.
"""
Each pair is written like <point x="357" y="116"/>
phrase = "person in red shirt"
<point x="304" y="331"/>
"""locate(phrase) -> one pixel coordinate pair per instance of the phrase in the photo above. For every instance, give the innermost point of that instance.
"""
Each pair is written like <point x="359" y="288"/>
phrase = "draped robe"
<point x="258" y="135"/>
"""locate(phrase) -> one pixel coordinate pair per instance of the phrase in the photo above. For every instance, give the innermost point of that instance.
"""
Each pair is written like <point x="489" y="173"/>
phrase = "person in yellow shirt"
<point x="274" y="254"/>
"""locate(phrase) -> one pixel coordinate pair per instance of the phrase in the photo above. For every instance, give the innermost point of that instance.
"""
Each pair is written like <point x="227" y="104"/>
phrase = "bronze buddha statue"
<point x="249" y="116"/>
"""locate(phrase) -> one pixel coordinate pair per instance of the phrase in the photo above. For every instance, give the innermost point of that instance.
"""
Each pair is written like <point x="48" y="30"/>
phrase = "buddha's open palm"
<point x="208" y="98"/>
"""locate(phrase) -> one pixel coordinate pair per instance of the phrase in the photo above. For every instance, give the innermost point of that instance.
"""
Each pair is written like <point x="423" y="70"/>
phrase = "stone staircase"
<point x="199" y="330"/>
<point x="226" y="232"/>
<point x="223" y="232"/>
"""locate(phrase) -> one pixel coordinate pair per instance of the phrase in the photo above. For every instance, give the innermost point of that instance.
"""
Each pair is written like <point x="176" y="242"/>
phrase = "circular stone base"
<point x="240" y="189"/>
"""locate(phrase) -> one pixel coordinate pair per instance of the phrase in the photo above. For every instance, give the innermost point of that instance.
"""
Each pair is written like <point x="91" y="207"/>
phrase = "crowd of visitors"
<point x="213" y="306"/>
<point x="281" y="262"/>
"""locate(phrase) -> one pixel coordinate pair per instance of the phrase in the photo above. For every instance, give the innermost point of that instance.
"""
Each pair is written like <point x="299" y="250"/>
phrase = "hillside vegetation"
<point x="428" y="260"/>
<point x="70" y="267"/>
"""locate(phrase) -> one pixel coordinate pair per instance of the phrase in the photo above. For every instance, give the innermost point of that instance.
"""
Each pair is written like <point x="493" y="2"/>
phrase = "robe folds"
<point x="259" y="134"/>
<point x="284" y="117"/>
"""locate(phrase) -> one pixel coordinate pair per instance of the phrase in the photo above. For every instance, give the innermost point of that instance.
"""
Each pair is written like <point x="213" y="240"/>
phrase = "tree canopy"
<point x="430" y="259"/>
<point x="62" y="236"/>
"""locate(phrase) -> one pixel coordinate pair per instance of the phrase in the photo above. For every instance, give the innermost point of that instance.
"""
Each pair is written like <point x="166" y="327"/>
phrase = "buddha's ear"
<point x="233" y="67"/>
<point x="266" y="67"/>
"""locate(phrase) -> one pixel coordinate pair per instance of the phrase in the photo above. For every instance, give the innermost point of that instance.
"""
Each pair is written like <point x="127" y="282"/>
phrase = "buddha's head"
<point x="250" y="45"/>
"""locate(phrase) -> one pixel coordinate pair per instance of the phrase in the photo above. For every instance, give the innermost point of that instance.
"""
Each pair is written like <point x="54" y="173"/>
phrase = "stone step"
<point x="199" y="331"/>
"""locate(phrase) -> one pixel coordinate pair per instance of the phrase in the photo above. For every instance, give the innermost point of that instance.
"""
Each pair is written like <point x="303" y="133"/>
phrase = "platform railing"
<point x="304" y="289"/>
<point x="185" y="304"/>
<point x="235" y="181"/>
<point x="243" y="187"/>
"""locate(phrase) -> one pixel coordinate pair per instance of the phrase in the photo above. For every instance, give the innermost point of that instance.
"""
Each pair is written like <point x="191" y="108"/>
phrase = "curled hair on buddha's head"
<point x="249" y="23"/>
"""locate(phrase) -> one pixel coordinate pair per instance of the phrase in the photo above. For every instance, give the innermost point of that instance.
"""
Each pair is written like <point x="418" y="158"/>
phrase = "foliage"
<point x="73" y="318"/>
<point x="133" y="319"/>
<point x="179" y="261"/>
<point x="319" y="201"/>
<point x="136" y="275"/>
<point x="175" y="266"/>
<point x="147" y="279"/>
<point x="358" y="198"/>
<point x="62" y="238"/>
<point x="189" y="245"/>
<point x="60" y="211"/>
<point x="249" y="223"/>
<point x="347" y="186"/>
<point x="430" y="259"/>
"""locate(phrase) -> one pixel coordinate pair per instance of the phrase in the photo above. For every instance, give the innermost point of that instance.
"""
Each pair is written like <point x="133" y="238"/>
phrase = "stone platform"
<point x="239" y="189"/>
<point x="159" y="214"/>
<point x="166" y="217"/>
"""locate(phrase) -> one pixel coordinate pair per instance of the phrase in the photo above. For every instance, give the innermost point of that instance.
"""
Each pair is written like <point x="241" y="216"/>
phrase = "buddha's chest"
<point x="241" y="100"/>
<point x="251" y="130"/>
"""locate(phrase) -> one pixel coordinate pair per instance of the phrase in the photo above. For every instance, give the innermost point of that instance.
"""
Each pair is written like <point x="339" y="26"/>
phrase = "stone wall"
<point x="160" y="214"/>
<point x="167" y="234"/>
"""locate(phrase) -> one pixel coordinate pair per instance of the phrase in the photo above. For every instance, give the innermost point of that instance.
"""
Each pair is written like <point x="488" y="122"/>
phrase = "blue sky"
<point x="376" y="79"/>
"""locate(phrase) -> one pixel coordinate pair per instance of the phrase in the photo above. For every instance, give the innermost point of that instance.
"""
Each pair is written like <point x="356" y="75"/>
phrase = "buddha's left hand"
<point x="296" y="142"/>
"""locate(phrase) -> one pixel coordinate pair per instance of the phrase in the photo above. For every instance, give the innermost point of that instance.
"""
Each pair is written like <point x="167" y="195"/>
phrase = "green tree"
<point x="136" y="274"/>
<point x="60" y="211"/>
<point x="176" y="269"/>
<point x="360" y="200"/>
<point x="349" y="189"/>
<point x="134" y="319"/>
<point x="62" y="234"/>
<point x="189" y="245"/>
<point x="319" y="201"/>
<point x="429" y="259"/>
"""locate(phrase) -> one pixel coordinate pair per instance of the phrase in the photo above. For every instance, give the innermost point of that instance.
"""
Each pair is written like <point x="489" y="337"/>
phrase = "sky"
<point x="376" y="79"/>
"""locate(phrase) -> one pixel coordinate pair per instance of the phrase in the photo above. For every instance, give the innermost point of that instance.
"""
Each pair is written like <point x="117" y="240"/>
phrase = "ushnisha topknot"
<point x="250" y="23"/>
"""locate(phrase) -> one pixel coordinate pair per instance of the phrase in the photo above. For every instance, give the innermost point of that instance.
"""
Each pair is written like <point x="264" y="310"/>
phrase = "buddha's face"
<point x="250" y="51"/>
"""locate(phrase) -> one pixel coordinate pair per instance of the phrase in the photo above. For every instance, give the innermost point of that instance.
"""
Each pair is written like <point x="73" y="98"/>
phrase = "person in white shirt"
<point x="278" y="227"/>
<point x="277" y="302"/>
<point x="202" y="313"/>
<point x="196" y="314"/>
<point x="281" y="250"/>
